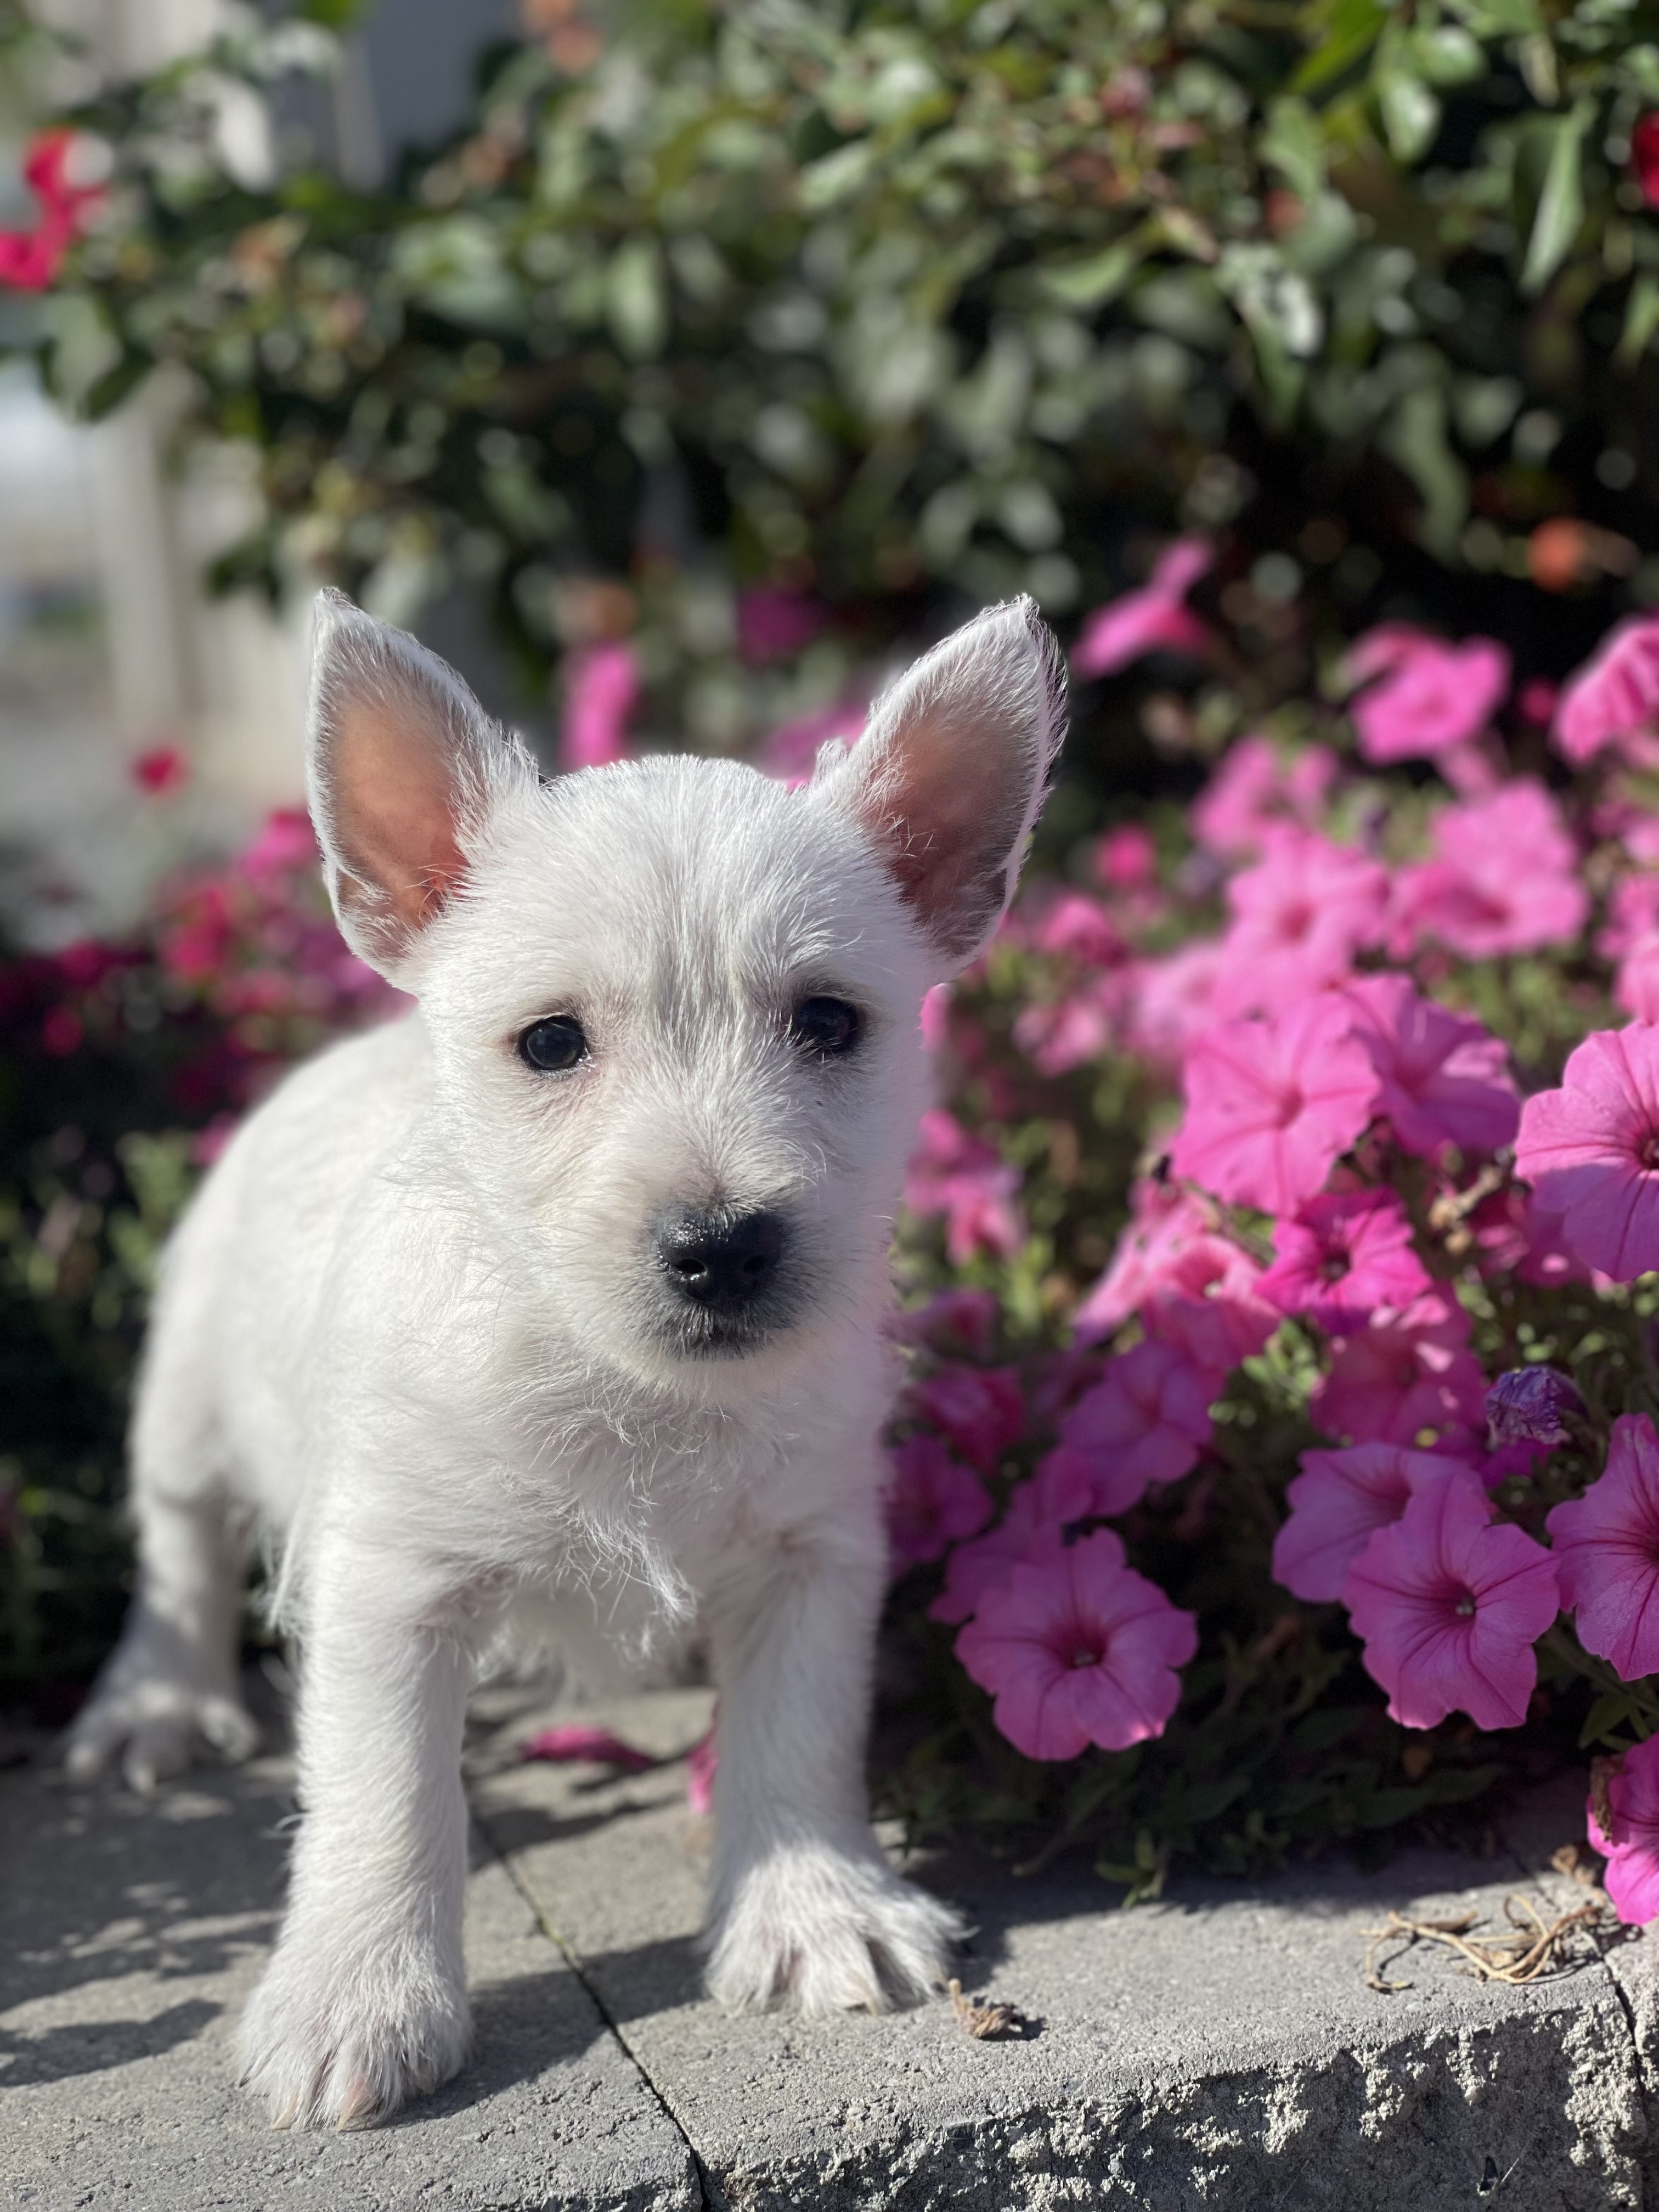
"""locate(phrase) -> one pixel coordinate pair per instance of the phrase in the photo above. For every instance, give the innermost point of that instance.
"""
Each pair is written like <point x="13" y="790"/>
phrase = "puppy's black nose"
<point x="721" y="1261"/>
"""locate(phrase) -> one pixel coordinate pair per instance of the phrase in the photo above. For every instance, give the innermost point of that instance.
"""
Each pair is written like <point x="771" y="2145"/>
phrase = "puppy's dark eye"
<point x="554" y="1045"/>
<point x="827" y="1028"/>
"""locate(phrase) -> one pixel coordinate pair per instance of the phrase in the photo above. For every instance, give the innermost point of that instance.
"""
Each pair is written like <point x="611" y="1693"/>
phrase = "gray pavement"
<point x="1218" y="2051"/>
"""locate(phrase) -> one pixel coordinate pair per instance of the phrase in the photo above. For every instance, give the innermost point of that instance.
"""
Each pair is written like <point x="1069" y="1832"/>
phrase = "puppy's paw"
<point x="818" y="1932"/>
<point x="155" y="1725"/>
<point x="332" y="2038"/>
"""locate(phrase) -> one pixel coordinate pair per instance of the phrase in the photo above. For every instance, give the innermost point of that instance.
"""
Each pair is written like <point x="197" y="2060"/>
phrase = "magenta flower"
<point x="1590" y="1151"/>
<point x="1299" y="918"/>
<point x="1253" y="791"/>
<point x="1503" y="879"/>
<point x="1191" y="1286"/>
<point x="1154" y="619"/>
<point x="957" y="1320"/>
<point x="960" y="1178"/>
<point x="1432" y="695"/>
<point x="1449" y="1607"/>
<point x="932" y="1501"/>
<point x="1078" y="1649"/>
<point x="1059" y="1035"/>
<point x="1342" y="1255"/>
<point x="1613" y="699"/>
<point x="774" y="624"/>
<point x="984" y="1562"/>
<point x="702" y="1764"/>
<point x="1271" y="1105"/>
<point x="1337" y="1502"/>
<point x="1408" y="1373"/>
<point x="574" y="1744"/>
<point x="1624" y="1826"/>
<point x="1443" y="1080"/>
<point x="1146" y="1421"/>
<point x="981" y="1409"/>
<point x="600" y="687"/>
<point x="1607" y="1547"/>
<point x="1636" y="985"/>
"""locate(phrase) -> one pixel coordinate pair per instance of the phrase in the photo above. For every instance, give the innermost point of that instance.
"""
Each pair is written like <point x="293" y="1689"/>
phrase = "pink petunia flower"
<point x="1255" y="791"/>
<point x="932" y="1501"/>
<point x="1504" y="879"/>
<point x="960" y="1178"/>
<point x="702" y="1764"/>
<point x="1606" y="1545"/>
<point x="1590" y="1151"/>
<point x="1146" y="1421"/>
<point x="1636" y="985"/>
<point x="1271" y="1105"/>
<point x="1154" y="619"/>
<point x="1340" y="1256"/>
<point x="1408" y="1374"/>
<point x="574" y="1743"/>
<point x="1171" y="1001"/>
<point x="600" y="689"/>
<point x="1078" y="1649"/>
<point x="1191" y="1286"/>
<point x="984" y="1562"/>
<point x="1432" y="696"/>
<point x="162" y="771"/>
<point x="1336" y="1502"/>
<point x="1613" y="699"/>
<point x="1299" y="918"/>
<point x="1059" y="1035"/>
<point x="1623" y="1820"/>
<point x="981" y="1410"/>
<point x="1449" y="1607"/>
<point x="1443" y="1080"/>
<point x="30" y="259"/>
<point x="791" y="752"/>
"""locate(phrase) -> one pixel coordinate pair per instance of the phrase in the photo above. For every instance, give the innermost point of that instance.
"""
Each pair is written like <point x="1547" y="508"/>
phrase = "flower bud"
<point x="1530" y="1405"/>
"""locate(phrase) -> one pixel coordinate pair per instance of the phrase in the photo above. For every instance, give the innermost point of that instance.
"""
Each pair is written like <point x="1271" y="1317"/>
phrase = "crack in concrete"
<point x="710" y="2201"/>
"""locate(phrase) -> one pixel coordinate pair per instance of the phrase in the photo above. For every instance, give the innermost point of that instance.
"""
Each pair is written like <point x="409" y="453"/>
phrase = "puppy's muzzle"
<point x="723" y="1264"/>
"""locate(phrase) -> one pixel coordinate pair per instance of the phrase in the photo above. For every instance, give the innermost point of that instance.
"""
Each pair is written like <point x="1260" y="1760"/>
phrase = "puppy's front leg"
<point x="364" y="2005"/>
<point x="804" y="1909"/>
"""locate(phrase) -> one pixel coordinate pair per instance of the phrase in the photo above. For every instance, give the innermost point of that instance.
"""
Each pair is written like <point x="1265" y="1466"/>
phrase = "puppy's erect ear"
<point x="951" y="771"/>
<point x="402" y="766"/>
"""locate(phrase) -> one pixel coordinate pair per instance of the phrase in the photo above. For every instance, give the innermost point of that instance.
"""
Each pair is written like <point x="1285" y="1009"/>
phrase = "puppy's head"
<point x="673" y="1006"/>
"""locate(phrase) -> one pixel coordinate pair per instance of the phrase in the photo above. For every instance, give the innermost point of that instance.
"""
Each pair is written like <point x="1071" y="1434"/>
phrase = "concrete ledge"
<point x="1219" y="2051"/>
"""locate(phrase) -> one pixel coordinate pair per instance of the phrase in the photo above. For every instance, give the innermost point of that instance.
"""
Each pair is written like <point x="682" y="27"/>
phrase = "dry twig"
<point x="1531" y="1951"/>
<point x="985" y="2022"/>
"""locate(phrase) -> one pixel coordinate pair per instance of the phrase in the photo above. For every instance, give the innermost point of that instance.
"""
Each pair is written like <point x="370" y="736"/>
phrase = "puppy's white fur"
<point x="416" y="1327"/>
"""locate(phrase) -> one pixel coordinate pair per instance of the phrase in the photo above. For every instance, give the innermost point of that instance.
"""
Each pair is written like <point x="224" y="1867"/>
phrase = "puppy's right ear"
<point x="403" y="768"/>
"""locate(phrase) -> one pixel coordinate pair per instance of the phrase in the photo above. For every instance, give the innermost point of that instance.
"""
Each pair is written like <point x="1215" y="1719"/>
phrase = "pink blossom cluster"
<point x="1351" y="1157"/>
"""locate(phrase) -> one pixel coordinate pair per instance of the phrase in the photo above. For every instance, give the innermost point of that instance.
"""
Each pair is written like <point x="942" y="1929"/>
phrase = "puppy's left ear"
<point x="950" y="775"/>
<point x="403" y="768"/>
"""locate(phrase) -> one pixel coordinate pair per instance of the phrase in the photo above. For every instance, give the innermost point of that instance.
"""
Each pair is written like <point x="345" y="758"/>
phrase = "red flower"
<point x="29" y="259"/>
<point x="165" y="769"/>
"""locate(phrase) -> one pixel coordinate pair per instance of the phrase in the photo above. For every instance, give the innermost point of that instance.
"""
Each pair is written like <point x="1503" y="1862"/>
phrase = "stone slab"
<point x="1220" y="2050"/>
<point x="129" y="1934"/>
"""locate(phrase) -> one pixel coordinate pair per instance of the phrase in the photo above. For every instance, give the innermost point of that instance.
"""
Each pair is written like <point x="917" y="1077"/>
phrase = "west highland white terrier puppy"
<point x="568" y="1287"/>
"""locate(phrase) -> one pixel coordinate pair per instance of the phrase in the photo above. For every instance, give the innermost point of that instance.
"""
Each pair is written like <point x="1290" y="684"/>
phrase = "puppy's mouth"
<point x="725" y="1283"/>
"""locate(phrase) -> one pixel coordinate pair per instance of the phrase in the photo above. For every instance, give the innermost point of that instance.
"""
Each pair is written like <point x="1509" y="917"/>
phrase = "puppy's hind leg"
<point x="169" y="1691"/>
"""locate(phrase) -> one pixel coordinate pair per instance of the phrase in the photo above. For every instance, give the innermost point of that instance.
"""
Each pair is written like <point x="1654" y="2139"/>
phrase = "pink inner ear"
<point x="395" y="801"/>
<point x="951" y="802"/>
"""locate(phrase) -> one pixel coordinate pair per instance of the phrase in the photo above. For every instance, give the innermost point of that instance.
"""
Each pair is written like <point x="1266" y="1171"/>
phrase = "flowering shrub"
<point x="1276" y="1459"/>
<point x="1295" y="1213"/>
<point x="122" y="1068"/>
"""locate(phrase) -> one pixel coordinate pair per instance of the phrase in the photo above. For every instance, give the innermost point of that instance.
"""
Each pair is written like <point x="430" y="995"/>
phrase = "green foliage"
<point x="910" y="305"/>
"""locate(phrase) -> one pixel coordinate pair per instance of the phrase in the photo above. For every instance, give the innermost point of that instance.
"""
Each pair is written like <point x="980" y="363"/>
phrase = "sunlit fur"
<point x="414" y="1331"/>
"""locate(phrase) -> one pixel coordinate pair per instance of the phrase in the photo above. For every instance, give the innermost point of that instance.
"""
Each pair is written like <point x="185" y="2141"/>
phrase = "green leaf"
<point x="1340" y="33"/>
<point x="1641" y="320"/>
<point x="1294" y="144"/>
<point x="1089" y="284"/>
<point x="1411" y="114"/>
<point x="634" y="301"/>
<point x="1497" y="19"/>
<point x="1610" y="1711"/>
<point x="1561" y="203"/>
<point x="1384" y="1808"/>
<point x="1319" y="1730"/>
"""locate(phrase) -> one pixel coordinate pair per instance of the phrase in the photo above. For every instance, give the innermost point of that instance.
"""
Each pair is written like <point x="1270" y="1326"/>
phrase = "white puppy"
<point x="571" y="1282"/>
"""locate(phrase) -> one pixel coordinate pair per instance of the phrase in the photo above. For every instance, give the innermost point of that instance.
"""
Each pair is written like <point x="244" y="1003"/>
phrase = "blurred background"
<point x="676" y="368"/>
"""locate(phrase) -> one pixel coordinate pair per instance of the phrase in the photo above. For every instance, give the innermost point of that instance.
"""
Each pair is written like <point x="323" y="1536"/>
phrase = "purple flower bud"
<point x="1530" y="1405"/>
